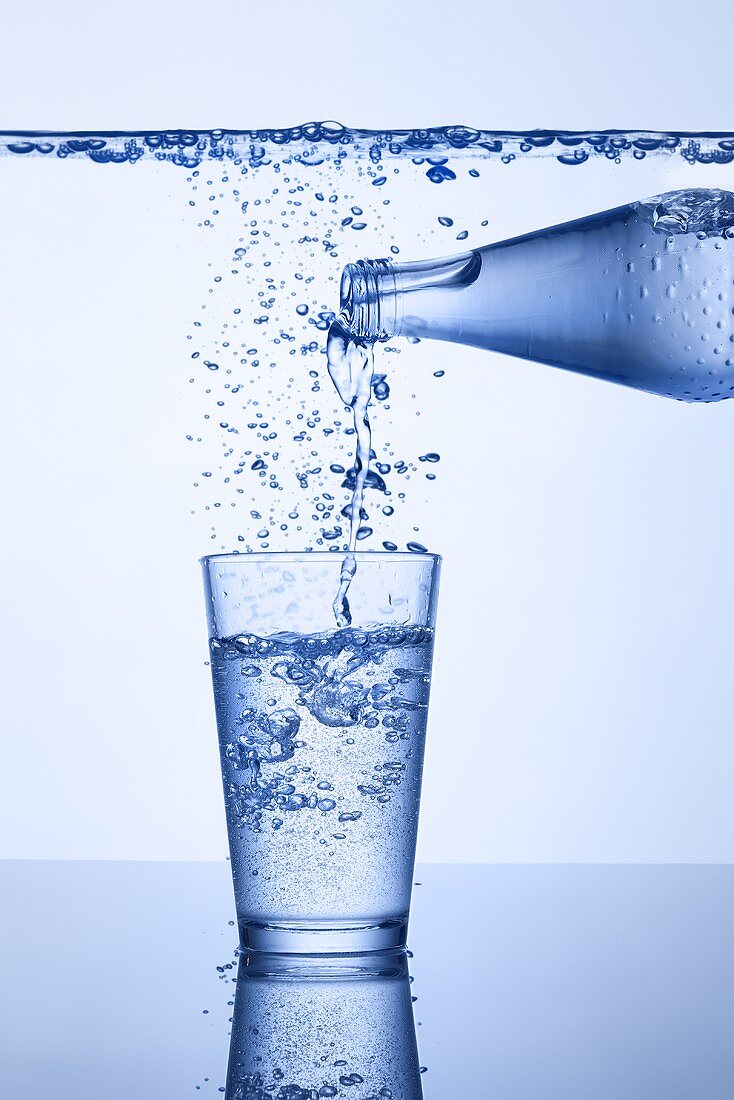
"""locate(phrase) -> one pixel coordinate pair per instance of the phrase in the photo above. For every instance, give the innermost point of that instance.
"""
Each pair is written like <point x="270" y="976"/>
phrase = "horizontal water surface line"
<point x="314" y="143"/>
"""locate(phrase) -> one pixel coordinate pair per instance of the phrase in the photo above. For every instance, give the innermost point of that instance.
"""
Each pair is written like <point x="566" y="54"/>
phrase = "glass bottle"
<point x="641" y="295"/>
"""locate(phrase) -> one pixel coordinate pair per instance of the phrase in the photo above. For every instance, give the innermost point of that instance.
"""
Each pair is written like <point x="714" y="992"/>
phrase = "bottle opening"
<point x="369" y="300"/>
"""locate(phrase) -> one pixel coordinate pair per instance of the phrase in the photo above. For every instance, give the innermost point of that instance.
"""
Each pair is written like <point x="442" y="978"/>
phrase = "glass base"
<point x="263" y="965"/>
<point x="322" y="937"/>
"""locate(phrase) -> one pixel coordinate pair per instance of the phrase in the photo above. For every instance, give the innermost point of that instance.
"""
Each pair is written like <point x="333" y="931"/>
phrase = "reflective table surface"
<point x="117" y="981"/>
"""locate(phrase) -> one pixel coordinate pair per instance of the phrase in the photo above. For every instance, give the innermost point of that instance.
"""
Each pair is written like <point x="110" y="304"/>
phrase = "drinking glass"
<point x="321" y="737"/>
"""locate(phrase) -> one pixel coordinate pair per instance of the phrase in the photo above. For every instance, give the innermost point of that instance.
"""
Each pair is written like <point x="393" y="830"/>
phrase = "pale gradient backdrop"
<point x="582" y="706"/>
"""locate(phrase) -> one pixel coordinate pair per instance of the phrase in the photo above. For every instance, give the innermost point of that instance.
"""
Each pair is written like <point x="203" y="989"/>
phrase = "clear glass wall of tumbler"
<point x="321" y="735"/>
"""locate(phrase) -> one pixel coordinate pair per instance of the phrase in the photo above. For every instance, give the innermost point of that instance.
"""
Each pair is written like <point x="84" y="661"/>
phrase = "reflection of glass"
<point x="308" y="1027"/>
<point x="321" y="735"/>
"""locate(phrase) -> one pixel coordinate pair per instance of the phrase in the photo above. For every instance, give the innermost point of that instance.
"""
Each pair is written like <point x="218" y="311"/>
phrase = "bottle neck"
<point x="381" y="299"/>
<point x="369" y="299"/>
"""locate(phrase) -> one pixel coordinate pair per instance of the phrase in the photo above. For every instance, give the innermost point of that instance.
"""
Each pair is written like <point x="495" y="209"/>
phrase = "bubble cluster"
<point x="279" y="460"/>
<point x="253" y="1086"/>
<point x="347" y="682"/>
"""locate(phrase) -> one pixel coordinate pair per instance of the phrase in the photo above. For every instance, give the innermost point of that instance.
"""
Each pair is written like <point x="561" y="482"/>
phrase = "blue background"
<point x="582" y="707"/>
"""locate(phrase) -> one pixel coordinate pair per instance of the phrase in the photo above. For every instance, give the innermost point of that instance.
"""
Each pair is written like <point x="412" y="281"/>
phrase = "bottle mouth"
<point x="369" y="299"/>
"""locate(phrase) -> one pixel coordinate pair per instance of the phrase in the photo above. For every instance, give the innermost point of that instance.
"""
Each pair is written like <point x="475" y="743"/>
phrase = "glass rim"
<point x="260" y="556"/>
